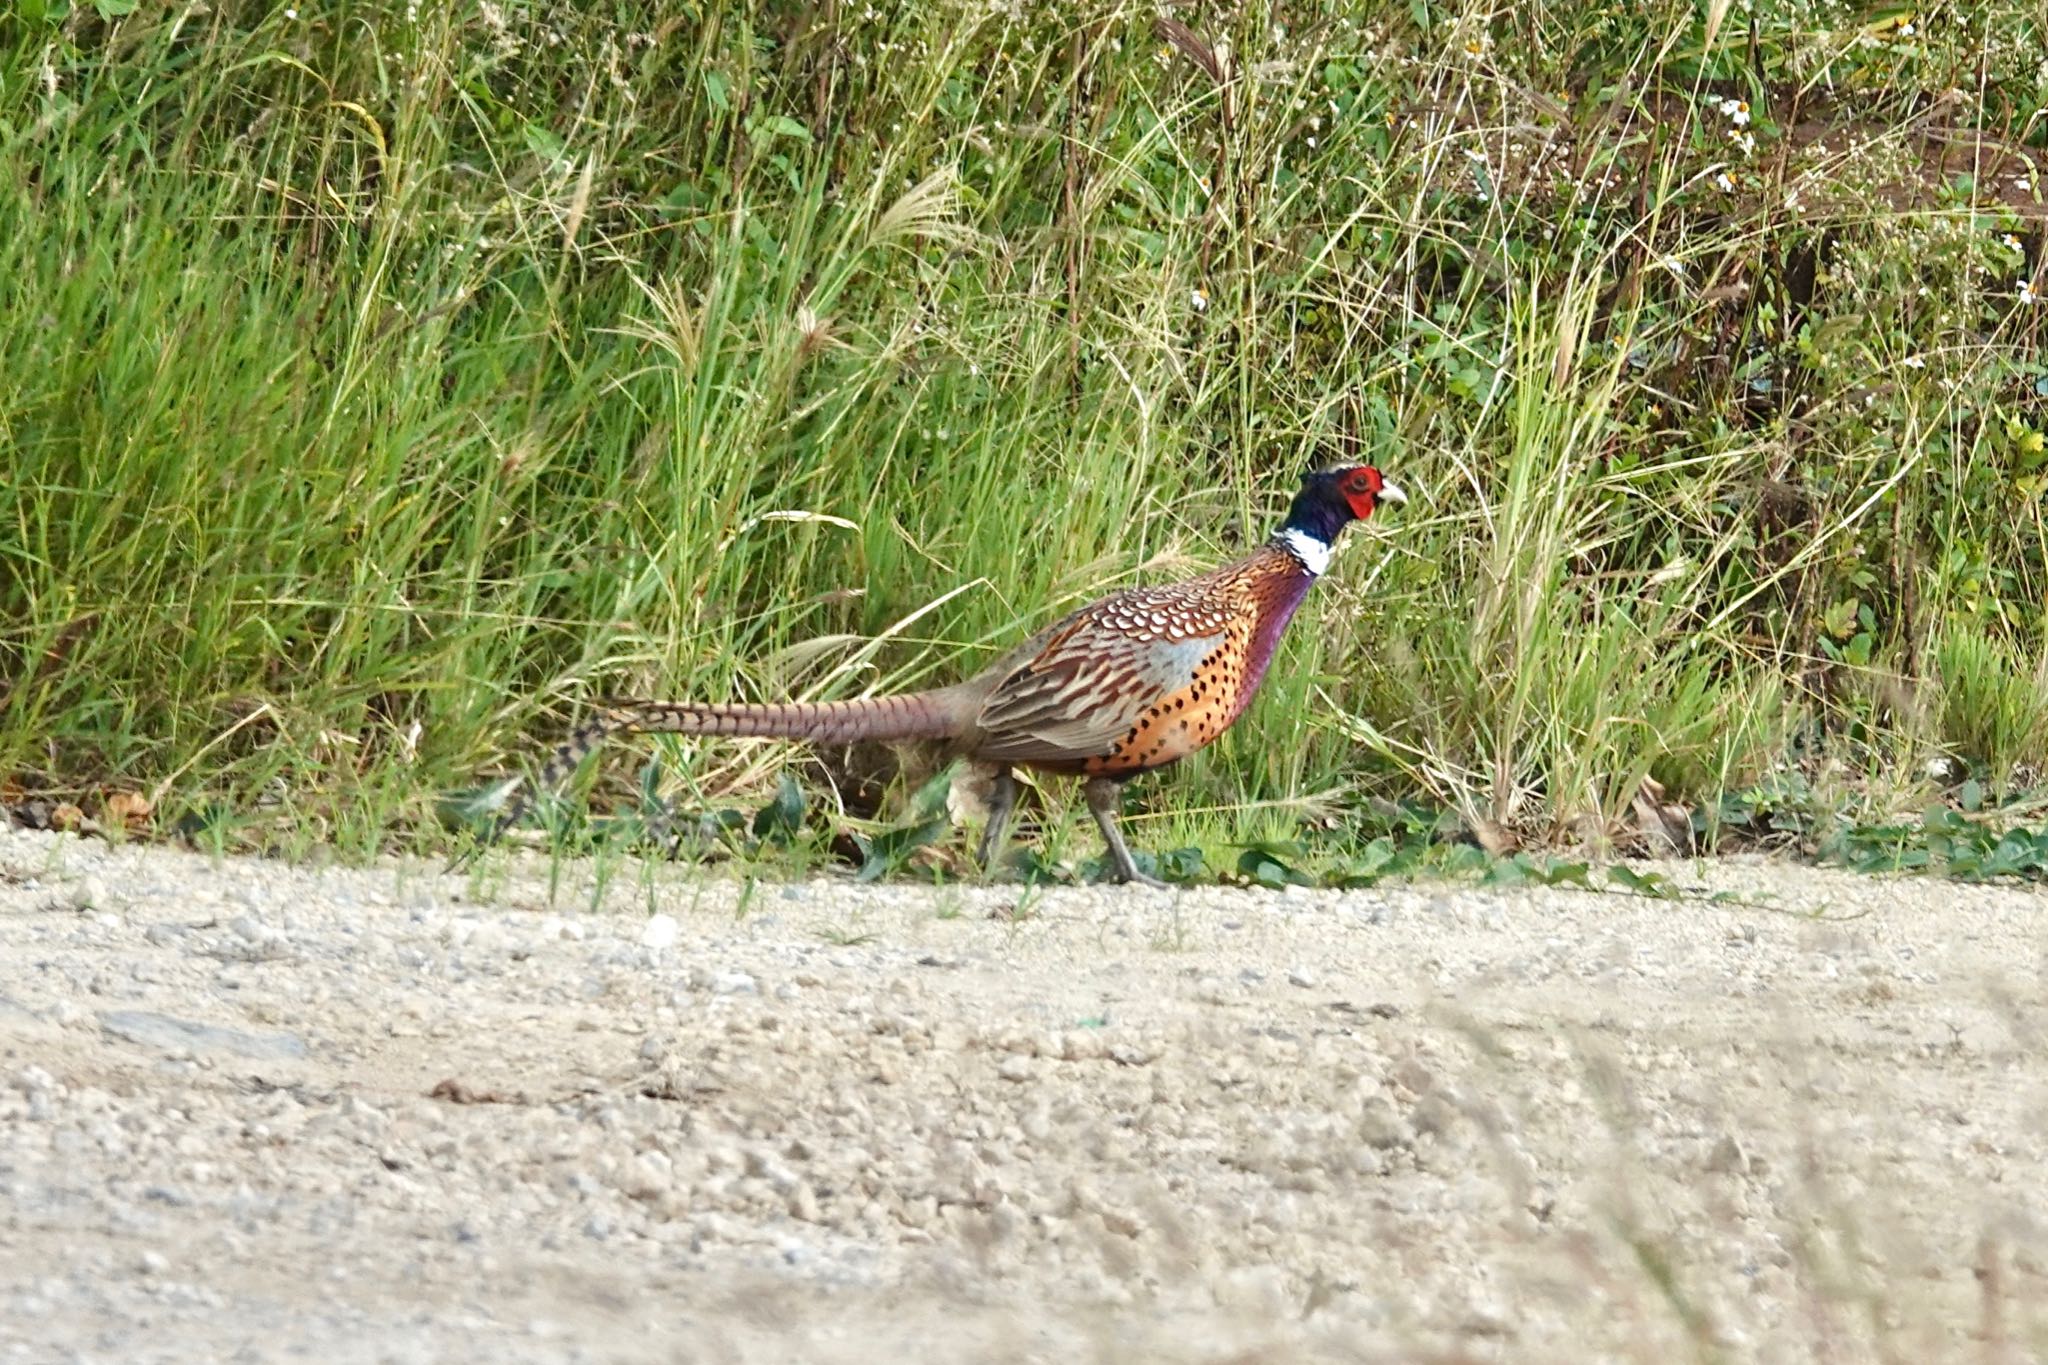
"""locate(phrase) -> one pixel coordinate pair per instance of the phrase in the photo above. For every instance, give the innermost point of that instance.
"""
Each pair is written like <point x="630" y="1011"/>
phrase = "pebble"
<point x="148" y="1029"/>
<point x="1381" y="1125"/>
<point x="1728" y="1157"/>
<point x="33" y="1080"/>
<point x="75" y="897"/>
<point x="660" y="931"/>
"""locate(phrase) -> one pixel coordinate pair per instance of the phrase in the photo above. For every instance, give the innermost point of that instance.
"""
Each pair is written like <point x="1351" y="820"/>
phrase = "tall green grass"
<point x="382" y="382"/>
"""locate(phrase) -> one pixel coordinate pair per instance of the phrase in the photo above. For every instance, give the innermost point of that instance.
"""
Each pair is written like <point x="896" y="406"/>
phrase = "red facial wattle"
<point x="1365" y="488"/>
<point x="1362" y="491"/>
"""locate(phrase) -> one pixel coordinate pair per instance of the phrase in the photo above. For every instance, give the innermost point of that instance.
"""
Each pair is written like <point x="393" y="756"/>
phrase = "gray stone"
<point x="147" y="1029"/>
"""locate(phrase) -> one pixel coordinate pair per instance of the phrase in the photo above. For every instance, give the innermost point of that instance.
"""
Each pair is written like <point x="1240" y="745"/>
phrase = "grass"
<point x="385" y="382"/>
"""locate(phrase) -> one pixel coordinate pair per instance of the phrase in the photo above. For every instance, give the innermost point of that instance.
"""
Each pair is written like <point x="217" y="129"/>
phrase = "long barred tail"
<point x="914" y="715"/>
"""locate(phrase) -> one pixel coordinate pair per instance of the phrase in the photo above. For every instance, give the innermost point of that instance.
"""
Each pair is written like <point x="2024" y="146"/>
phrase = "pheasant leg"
<point x="1101" y="796"/>
<point x="1002" y="798"/>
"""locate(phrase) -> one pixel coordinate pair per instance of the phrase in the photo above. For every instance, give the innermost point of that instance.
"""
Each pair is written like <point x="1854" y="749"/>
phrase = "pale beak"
<point x="1391" y="492"/>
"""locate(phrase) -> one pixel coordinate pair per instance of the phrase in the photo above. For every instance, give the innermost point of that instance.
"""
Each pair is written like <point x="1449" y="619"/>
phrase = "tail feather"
<point x="915" y="715"/>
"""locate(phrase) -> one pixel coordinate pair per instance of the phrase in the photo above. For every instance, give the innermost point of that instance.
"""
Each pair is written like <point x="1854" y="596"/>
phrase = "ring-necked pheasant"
<point x="1125" y="685"/>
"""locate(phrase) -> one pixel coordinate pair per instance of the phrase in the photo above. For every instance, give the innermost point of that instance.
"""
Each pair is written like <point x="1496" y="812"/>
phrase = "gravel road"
<point x="253" y="1112"/>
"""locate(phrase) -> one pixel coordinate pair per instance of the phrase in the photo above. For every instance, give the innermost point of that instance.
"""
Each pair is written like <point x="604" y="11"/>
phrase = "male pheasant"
<point x="1125" y="685"/>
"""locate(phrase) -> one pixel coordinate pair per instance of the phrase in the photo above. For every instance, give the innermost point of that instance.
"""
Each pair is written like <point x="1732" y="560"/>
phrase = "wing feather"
<point x="1096" y="673"/>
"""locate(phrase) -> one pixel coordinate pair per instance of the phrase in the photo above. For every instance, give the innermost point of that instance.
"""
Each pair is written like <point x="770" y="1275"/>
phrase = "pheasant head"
<point x="1329" y="501"/>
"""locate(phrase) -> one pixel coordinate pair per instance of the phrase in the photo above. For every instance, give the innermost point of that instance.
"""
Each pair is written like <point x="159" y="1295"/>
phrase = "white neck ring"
<point x="1314" y="554"/>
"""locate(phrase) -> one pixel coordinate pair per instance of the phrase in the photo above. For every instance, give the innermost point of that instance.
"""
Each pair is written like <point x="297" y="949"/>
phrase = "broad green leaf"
<point x="779" y="820"/>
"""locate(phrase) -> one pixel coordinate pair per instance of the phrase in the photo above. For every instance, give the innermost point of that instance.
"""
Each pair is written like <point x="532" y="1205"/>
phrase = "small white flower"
<point x="1311" y="143"/>
<point x="2013" y="244"/>
<point x="1914" y="362"/>
<point x="1906" y="29"/>
<point x="1725" y="182"/>
<point x="1199" y="299"/>
<point x="2027" y="294"/>
<point x="1745" y="142"/>
<point x="1736" y="112"/>
<point x="291" y="14"/>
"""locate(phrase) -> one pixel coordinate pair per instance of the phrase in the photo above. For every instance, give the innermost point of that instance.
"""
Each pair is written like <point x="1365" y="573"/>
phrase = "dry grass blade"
<point x="928" y="211"/>
<point x="674" y="329"/>
<point x="579" y="203"/>
<point x="1717" y="14"/>
<point x="1190" y="45"/>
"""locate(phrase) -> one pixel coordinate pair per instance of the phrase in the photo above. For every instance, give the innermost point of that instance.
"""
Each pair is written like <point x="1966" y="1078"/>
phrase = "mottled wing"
<point x="1095" y="675"/>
